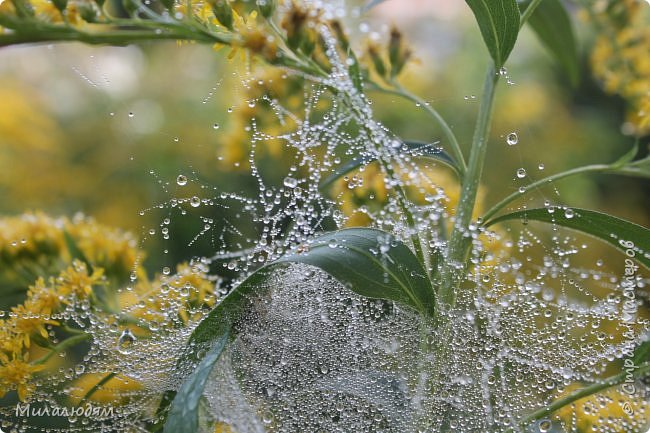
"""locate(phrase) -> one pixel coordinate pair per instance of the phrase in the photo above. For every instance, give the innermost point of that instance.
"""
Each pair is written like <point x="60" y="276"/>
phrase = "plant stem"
<point x="119" y="37"/>
<point x="446" y="129"/>
<point x="528" y="12"/>
<point x="68" y="342"/>
<point x="618" y="379"/>
<point x="98" y="385"/>
<point x="460" y="239"/>
<point x="515" y="195"/>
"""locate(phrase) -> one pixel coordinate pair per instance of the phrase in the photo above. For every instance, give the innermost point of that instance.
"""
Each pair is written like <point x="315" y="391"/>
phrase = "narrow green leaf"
<point x="498" y="21"/>
<point x="642" y="353"/>
<point x="75" y="251"/>
<point x="414" y="148"/>
<point x="183" y="416"/>
<point x="624" y="235"/>
<point x="627" y="157"/>
<point x="552" y="24"/>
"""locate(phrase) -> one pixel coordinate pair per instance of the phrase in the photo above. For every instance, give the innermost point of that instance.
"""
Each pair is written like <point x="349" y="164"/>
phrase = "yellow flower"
<point x="42" y="299"/>
<point x="76" y="280"/>
<point x="16" y="374"/>
<point x="26" y="323"/>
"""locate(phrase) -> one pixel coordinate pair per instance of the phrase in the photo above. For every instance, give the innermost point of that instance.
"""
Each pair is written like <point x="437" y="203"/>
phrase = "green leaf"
<point x="642" y="353"/>
<point x="183" y="416"/>
<point x="552" y="24"/>
<point x="75" y="251"/>
<point x="371" y="262"/>
<point x="622" y="234"/>
<point x="414" y="148"/>
<point x="498" y="21"/>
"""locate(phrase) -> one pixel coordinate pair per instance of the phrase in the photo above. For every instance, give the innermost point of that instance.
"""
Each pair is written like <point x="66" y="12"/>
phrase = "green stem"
<point x="119" y="37"/>
<point x="446" y="129"/>
<point x="98" y="385"/>
<point x="68" y="342"/>
<point x="618" y="379"/>
<point x="528" y="12"/>
<point x="460" y="239"/>
<point x="515" y="195"/>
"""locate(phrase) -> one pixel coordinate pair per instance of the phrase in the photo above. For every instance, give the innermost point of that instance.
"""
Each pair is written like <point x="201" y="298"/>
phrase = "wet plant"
<point x="423" y="321"/>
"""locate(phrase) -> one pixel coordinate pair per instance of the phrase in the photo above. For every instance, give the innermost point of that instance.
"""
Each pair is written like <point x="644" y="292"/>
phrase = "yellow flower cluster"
<point x="71" y="259"/>
<point x="33" y="244"/>
<point x="28" y="323"/>
<point x="620" y="57"/>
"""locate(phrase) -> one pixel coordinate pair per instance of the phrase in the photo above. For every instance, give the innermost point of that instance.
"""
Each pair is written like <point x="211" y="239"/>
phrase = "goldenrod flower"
<point x="16" y="374"/>
<point x="76" y="280"/>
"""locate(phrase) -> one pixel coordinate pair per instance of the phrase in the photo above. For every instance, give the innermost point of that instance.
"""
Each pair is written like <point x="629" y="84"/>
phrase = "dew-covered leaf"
<point x="372" y="263"/>
<point x="499" y="25"/>
<point x="413" y="148"/>
<point x="552" y="24"/>
<point x="183" y="415"/>
<point x="623" y="235"/>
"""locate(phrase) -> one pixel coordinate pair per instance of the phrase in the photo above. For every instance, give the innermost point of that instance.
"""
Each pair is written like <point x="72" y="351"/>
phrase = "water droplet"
<point x="540" y="166"/>
<point x="181" y="180"/>
<point x="512" y="139"/>
<point x="545" y="426"/>
<point x="131" y="114"/>
<point x="290" y="182"/>
<point x="195" y="201"/>
<point x="126" y="342"/>
<point x="569" y="213"/>
<point x="176" y="139"/>
<point x="521" y="173"/>
<point x="215" y="126"/>
<point x="166" y="270"/>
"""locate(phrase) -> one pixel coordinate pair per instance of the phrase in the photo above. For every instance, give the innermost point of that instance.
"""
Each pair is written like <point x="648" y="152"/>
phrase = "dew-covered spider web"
<point x="533" y="322"/>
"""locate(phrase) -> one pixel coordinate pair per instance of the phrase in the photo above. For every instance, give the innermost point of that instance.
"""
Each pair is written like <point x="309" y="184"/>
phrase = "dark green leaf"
<point x="395" y="274"/>
<point x="372" y="263"/>
<point x="414" y="148"/>
<point x="183" y="416"/>
<point x="498" y="21"/>
<point x="622" y="234"/>
<point x="552" y="24"/>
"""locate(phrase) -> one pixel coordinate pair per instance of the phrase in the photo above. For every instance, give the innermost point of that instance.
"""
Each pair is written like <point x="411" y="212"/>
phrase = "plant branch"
<point x="528" y="12"/>
<point x="446" y="129"/>
<point x="515" y="195"/>
<point x="68" y="342"/>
